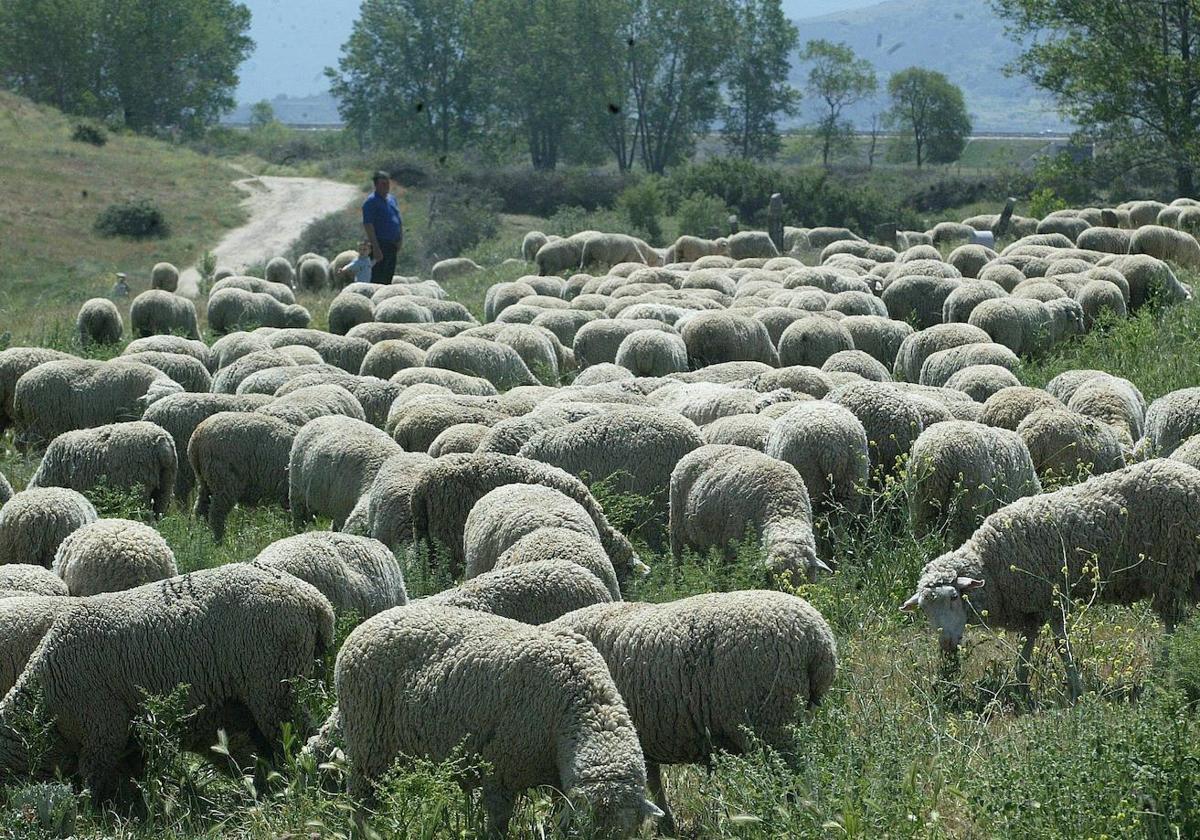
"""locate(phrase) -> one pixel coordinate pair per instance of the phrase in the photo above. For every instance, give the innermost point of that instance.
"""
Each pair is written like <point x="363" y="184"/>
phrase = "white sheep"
<point x="99" y="322"/>
<point x="333" y="461"/>
<point x="159" y="312"/>
<point x="232" y="309"/>
<point x="110" y="555"/>
<point x="534" y="593"/>
<point x="33" y="523"/>
<point x="26" y="579"/>
<point x="354" y="573"/>
<point x="556" y="543"/>
<point x="828" y="445"/>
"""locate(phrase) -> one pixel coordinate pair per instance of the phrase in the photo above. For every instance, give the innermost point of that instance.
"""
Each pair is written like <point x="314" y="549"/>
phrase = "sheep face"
<point x="947" y="610"/>
<point x="797" y="561"/>
<point x="615" y="810"/>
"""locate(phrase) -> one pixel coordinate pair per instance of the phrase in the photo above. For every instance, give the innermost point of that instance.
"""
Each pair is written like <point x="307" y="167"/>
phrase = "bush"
<point x="700" y="214"/>
<point x="642" y="204"/>
<point x="330" y="235"/>
<point x="137" y="219"/>
<point x="1043" y="202"/>
<point x="742" y="185"/>
<point x="459" y="218"/>
<point x="89" y="133"/>
<point x="524" y="190"/>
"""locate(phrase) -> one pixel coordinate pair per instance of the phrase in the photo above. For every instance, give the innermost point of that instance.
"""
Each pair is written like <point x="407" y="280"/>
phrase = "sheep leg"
<point x="98" y="756"/>
<point x="654" y="778"/>
<point x="218" y="512"/>
<point x="499" y="805"/>
<point x="1074" y="683"/>
<point x="203" y="500"/>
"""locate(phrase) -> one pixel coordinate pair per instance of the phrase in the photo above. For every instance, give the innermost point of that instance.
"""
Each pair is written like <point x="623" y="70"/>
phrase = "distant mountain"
<point x="961" y="38"/>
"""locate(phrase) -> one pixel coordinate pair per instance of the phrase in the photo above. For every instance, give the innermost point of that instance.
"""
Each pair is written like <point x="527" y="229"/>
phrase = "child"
<point x="360" y="270"/>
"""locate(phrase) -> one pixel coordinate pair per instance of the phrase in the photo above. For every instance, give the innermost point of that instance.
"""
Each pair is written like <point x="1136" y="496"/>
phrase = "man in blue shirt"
<point x="385" y="230"/>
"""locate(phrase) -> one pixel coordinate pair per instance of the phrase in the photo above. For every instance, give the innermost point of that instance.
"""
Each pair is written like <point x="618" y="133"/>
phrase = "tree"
<point x="677" y="51"/>
<point x="262" y="114"/>
<point x="873" y="145"/>
<point x="405" y="74"/>
<point x="155" y="63"/>
<point x="931" y="112"/>
<point x="1123" y="67"/>
<point x="756" y="82"/>
<point x="839" y="79"/>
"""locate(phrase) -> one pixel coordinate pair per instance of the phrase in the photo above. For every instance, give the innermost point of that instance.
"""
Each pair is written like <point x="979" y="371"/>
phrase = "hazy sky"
<point x="297" y="39"/>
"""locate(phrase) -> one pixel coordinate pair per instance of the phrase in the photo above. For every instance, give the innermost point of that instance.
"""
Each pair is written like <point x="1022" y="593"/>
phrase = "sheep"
<point x="970" y="259"/>
<point x="828" y="446"/>
<point x="1170" y="420"/>
<point x="880" y="337"/>
<point x="980" y="382"/>
<point x="15" y="362"/>
<point x="356" y="574"/>
<point x="338" y="350"/>
<point x="652" y="353"/>
<point x="598" y="341"/>
<point x="461" y="437"/>
<point x="1004" y="275"/>
<point x="99" y="322"/>
<point x="110" y="555"/>
<point x="164" y="276"/>
<point x="504" y="515"/>
<point x="387" y="357"/>
<point x="940" y="366"/>
<point x="723" y="336"/>
<point x="34" y="522"/>
<point x="26" y="579"/>
<point x="719" y="493"/>
<point x="1006" y="408"/>
<point x="741" y="429"/>
<point x="348" y="311"/>
<point x="610" y="249"/>
<point x="188" y="371"/>
<point x="180" y="414"/>
<point x="918" y="346"/>
<point x="1148" y="278"/>
<point x="1063" y="443"/>
<point x="1113" y="401"/>
<point x="24" y="622"/>
<point x="950" y="232"/>
<point x="384" y="511"/>
<point x="497" y="363"/>
<point x="239" y="458"/>
<point x="559" y="255"/>
<point x="313" y="274"/>
<point x="960" y="472"/>
<point x="159" y="312"/>
<point x="530" y="244"/>
<point x="727" y="668"/>
<point x="416" y="424"/>
<point x="280" y="271"/>
<point x="919" y="299"/>
<point x="61" y="396"/>
<point x="533" y="593"/>
<point x="1166" y="244"/>
<point x="535" y="707"/>
<point x="962" y="301"/>
<point x="811" y="341"/>
<point x="1116" y="538"/>
<point x="1106" y="239"/>
<point x="237" y="636"/>
<point x="458" y="383"/>
<point x="857" y="362"/>
<point x="235" y="309"/>
<point x="281" y="292"/>
<point x="559" y="543"/>
<point x="122" y="456"/>
<point x="333" y="461"/>
<point x="634" y="448"/>
<point x="303" y="405"/>
<point x="231" y="375"/>
<point x="176" y="344"/>
<point x="891" y="421"/>
<point x="445" y="491"/>
<point x="751" y="243"/>
<point x="1098" y="297"/>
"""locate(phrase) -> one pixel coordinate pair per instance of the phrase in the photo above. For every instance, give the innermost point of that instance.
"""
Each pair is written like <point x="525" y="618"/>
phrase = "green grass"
<point x="55" y="187"/>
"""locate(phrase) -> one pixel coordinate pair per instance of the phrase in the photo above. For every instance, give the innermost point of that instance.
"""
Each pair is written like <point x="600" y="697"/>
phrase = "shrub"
<point x="459" y="218"/>
<point x="571" y="220"/>
<point x="330" y="235"/>
<point x="1045" y="201"/>
<point x="699" y="214"/>
<point x="89" y="133"/>
<point x="137" y="219"/>
<point x="643" y="204"/>
<point x="539" y="193"/>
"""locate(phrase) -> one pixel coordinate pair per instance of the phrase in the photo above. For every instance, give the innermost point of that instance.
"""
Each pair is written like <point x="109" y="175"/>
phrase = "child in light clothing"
<point x="360" y="269"/>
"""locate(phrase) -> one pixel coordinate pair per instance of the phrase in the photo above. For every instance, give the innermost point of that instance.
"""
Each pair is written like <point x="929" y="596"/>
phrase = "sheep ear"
<point x="966" y="584"/>
<point x="910" y="604"/>
<point x="649" y="809"/>
<point x="822" y="566"/>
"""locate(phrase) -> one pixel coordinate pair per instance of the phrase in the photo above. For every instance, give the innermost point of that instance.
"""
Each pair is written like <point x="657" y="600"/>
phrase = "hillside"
<point x="53" y="189"/>
<point x="961" y="38"/>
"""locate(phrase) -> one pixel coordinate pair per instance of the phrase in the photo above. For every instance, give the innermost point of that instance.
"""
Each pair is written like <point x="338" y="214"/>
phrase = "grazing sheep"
<point x="918" y="299"/>
<point x="61" y="396"/>
<point x="385" y="511"/>
<point x="741" y="430"/>
<point x="1148" y="278"/>
<point x="1166" y="244"/>
<point x="122" y="456"/>
<point x="720" y="493"/>
<point x="461" y="437"/>
<point x="723" y="336"/>
<point x="1121" y="537"/>
<point x="652" y="353"/>
<point x="26" y="579"/>
<point x="446" y="491"/>
<point x="387" y="357"/>
<point x="237" y="636"/>
<point x="961" y="302"/>
<point x="857" y="362"/>
<point x="1006" y="408"/>
<point x="533" y="240"/>
<point x="1113" y="401"/>
<point x="880" y="337"/>
<point x="723" y="665"/>
<point x="892" y="422"/>
<point x="33" y="523"/>
<point x="458" y="383"/>
<point x="333" y="461"/>
<point x="188" y="371"/>
<point x="159" y="312"/>
<point x="179" y="345"/>
<point x="535" y="707"/>
<point x="1106" y="239"/>
<point x="828" y="445"/>
<point x="1064" y="443"/>
<point x="338" y="350"/>
<point x="235" y="309"/>
<point x="979" y="382"/>
<point x="598" y="341"/>
<point x="918" y="346"/>
<point x="940" y="366"/>
<point x="1097" y="298"/>
<point x="313" y="274"/>
<point x="306" y="404"/>
<point x="24" y="621"/>
<point x="534" y="593"/>
<point x="970" y="259"/>
<point x="239" y="458"/>
<point x="960" y="472"/>
<point x="453" y="268"/>
<point x="1170" y="420"/>
<point x="99" y="322"/>
<point x="280" y="271"/>
<point x="505" y="515"/>
<point x="556" y="543"/>
<point x="811" y="341"/>
<point x="232" y="374"/>
<point x="348" y="311"/>
<point x="354" y="573"/>
<point x="279" y="291"/>
<point x="113" y="554"/>
<point x="498" y="363"/>
<point x="416" y="424"/>
<point x="164" y="276"/>
<point x="635" y="448"/>
<point x="15" y="362"/>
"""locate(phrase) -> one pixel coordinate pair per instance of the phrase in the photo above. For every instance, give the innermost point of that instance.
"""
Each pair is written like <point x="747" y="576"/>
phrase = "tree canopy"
<point x="930" y="111"/>
<point x="838" y="78"/>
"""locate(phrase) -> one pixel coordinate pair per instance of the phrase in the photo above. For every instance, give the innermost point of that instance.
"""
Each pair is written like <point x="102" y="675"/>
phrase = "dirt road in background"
<point x="279" y="209"/>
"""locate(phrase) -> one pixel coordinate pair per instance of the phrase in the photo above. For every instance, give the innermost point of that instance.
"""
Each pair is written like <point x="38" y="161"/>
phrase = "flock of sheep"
<point x="738" y="390"/>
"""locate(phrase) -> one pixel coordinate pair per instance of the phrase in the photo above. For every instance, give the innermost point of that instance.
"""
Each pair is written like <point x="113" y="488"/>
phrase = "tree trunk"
<point x="1185" y="180"/>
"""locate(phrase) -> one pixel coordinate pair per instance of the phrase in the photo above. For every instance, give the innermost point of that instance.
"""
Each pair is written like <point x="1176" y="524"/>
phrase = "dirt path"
<point x="279" y="209"/>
